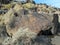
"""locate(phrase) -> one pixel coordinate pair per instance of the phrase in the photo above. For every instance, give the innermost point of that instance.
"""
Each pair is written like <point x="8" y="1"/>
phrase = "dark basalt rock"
<point x="5" y="1"/>
<point x="3" y="11"/>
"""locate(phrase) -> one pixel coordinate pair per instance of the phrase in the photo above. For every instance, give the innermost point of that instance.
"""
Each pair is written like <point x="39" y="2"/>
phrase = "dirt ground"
<point x="56" y="40"/>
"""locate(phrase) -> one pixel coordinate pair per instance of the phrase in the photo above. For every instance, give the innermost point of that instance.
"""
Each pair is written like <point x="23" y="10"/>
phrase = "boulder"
<point x="34" y="21"/>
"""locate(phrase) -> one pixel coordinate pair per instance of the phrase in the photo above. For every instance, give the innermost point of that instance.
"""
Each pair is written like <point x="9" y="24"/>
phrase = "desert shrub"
<point x="28" y="5"/>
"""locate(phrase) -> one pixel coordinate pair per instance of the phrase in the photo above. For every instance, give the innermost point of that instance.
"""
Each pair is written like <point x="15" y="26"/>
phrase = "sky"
<point x="55" y="3"/>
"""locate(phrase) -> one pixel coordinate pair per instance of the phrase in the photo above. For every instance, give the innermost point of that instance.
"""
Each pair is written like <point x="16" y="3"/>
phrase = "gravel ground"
<point x="56" y="40"/>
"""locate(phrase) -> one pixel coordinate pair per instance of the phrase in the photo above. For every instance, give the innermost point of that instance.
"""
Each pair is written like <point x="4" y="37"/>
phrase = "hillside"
<point x="28" y="23"/>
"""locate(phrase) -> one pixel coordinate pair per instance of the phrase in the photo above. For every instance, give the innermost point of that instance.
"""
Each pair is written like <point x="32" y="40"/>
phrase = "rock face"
<point x="26" y="37"/>
<point x="42" y="40"/>
<point x="3" y="33"/>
